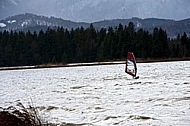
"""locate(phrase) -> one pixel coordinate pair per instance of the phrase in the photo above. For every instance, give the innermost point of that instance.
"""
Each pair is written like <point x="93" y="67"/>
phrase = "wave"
<point x="74" y="124"/>
<point x="137" y="117"/>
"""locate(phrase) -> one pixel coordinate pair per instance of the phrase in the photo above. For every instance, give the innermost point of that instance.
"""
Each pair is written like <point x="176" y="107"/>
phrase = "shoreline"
<point x="149" y="60"/>
<point x="138" y="60"/>
<point x="61" y="65"/>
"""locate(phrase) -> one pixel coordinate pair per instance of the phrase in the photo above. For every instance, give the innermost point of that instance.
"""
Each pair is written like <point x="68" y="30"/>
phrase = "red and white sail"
<point x="131" y="67"/>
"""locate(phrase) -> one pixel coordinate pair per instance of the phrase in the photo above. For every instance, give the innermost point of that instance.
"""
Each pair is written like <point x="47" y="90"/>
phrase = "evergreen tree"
<point x="101" y="35"/>
<point x="87" y="45"/>
<point x="184" y="43"/>
<point x="42" y="47"/>
<point x="160" y="47"/>
<point x="108" y="44"/>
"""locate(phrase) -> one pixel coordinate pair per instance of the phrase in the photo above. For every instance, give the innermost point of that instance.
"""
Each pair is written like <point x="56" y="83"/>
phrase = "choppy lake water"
<point x="104" y="95"/>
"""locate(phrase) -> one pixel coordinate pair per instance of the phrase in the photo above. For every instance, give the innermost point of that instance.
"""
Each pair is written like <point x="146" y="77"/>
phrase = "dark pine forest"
<point x="88" y="45"/>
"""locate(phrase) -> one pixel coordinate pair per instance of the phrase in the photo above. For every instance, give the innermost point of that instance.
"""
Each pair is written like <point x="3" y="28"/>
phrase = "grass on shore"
<point x="21" y="116"/>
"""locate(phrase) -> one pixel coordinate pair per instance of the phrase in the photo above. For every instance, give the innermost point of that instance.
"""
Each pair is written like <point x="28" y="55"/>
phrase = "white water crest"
<point x="103" y="95"/>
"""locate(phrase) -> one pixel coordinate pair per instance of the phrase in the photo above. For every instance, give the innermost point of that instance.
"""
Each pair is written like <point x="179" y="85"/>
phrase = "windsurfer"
<point x="131" y="67"/>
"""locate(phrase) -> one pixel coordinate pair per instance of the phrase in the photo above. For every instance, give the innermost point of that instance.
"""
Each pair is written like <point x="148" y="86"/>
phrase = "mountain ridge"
<point x="28" y="21"/>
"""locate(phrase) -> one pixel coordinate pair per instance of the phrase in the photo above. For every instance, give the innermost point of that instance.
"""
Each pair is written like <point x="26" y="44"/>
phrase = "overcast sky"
<point x="96" y="10"/>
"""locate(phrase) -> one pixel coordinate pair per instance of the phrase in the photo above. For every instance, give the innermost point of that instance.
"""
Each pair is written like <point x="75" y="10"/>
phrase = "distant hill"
<point x="33" y="22"/>
<point x="97" y="10"/>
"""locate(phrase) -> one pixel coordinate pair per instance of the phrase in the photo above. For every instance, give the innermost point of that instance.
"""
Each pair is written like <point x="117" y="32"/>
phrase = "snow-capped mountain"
<point x="96" y="10"/>
<point x="36" y="23"/>
<point x="5" y="3"/>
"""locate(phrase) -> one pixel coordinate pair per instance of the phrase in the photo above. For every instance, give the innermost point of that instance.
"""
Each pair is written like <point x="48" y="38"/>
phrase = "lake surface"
<point x="103" y="95"/>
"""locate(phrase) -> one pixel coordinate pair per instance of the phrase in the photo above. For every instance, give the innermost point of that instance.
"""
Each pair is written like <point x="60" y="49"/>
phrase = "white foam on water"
<point x="105" y="94"/>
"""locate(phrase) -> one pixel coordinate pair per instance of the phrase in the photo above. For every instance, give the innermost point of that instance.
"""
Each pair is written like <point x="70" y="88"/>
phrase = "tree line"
<point x="88" y="45"/>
